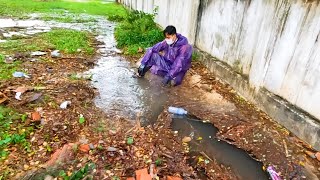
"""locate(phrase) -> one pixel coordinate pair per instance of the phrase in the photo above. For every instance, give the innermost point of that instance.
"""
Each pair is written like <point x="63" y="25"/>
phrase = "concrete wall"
<point x="273" y="44"/>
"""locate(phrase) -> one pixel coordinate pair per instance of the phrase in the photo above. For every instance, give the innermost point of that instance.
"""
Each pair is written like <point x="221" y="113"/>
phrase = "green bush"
<point x="138" y="30"/>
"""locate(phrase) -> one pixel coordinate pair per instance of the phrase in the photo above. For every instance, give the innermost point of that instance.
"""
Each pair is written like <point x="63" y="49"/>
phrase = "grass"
<point x="67" y="18"/>
<point x="6" y="70"/>
<point x="67" y="41"/>
<point x="137" y="30"/>
<point x="20" y="8"/>
<point x="12" y="131"/>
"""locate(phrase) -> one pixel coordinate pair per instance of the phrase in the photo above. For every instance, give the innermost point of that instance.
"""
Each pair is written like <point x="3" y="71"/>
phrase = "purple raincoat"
<point x="174" y="61"/>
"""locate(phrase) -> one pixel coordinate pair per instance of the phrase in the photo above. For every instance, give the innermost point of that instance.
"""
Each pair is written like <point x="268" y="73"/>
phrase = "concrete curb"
<point x="294" y="119"/>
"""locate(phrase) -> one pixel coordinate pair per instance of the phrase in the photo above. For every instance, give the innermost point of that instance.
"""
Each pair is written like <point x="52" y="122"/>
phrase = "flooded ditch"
<point x="122" y="95"/>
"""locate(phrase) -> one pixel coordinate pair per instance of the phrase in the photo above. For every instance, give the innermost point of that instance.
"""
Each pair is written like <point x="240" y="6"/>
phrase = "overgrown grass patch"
<point x="20" y="8"/>
<point x="68" y="41"/>
<point x="67" y="18"/>
<point x="6" y="70"/>
<point x="138" y="30"/>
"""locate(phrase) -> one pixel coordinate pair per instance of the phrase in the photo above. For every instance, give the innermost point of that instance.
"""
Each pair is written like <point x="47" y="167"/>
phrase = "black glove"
<point x="166" y="80"/>
<point x="140" y="69"/>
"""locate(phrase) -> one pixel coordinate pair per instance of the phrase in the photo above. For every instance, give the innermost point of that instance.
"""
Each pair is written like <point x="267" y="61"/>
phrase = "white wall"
<point x="276" y="43"/>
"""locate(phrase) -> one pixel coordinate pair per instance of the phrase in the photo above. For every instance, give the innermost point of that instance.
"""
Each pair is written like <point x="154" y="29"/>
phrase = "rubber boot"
<point x="144" y="71"/>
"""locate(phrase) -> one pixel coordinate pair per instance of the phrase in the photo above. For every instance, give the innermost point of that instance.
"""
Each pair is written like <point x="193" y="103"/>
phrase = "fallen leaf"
<point x="140" y="50"/>
<point x="21" y="89"/>
<point x="84" y="148"/>
<point x="3" y="98"/>
<point x="35" y="97"/>
<point x="173" y="178"/>
<point x="311" y="154"/>
<point x="186" y="139"/>
<point x="318" y="156"/>
<point x="35" y="116"/>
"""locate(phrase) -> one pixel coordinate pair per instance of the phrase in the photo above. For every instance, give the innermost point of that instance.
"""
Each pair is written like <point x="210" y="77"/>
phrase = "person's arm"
<point x="183" y="55"/>
<point x="155" y="49"/>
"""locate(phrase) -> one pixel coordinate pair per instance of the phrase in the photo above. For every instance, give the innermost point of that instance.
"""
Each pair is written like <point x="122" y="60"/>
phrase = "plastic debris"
<point x="112" y="149"/>
<point x="65" y="104"/>
<point x="178" y="111"/>
<point x="273" y="174"/>
<point x="118" y="51"/>
<point x="55" y="54"/>
<point x="17" y="96"/>
<point x="38" y="53"/>
<point x="91" y="146"/>
<point x="20" y="74"/>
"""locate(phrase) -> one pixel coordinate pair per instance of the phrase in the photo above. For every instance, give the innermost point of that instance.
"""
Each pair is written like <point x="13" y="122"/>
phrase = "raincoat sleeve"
<point x="182" y="62"/>
<point x="155" y="49"/>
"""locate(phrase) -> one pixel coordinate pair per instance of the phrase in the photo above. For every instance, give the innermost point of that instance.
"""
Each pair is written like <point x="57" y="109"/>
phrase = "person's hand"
<point x="140" y="69"/>
<point x="166" y="80"/>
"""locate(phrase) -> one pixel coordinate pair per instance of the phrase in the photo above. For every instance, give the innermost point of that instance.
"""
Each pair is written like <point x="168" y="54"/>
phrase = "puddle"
<point x="120" y="94"/>
<point x="237" y="159"/>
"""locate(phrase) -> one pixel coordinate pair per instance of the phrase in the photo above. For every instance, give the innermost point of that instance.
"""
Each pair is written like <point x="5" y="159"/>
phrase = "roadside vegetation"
<point x="65" y="40"/>
<point x="137" y="32"/>
<point x="21" y="8"/>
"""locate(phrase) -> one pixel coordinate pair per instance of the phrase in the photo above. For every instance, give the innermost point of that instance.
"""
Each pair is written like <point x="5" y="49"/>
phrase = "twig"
<point x="286" y="148"/>
<point x="167" y="155"/>
<point x="205" y="155"/>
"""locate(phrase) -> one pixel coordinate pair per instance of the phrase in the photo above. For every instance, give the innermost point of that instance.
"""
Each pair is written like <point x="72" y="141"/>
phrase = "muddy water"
<point x="120" y="94"/>
<point x="230" y="156"/>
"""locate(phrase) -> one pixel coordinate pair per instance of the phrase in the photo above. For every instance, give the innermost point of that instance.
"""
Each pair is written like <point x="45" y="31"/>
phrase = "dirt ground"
<point x="118" y="147"/>
<point x="242" y="124"/>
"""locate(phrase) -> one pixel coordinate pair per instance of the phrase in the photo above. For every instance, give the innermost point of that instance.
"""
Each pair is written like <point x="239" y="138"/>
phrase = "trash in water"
<point x="55" y="54"/>
<point x="38" y="53"/>
<point x="178" y="111"/>
<point x="186" y="139"/>
<point x="273" y="174"/>
<point x="17" y="96"/>
<point x="20" y="74"/>
<point x="65" y="104"/>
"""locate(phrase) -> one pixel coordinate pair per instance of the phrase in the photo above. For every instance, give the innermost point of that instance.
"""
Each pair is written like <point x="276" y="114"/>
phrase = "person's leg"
<point x="179" y="78"/>
<point x="158" y="63"/>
